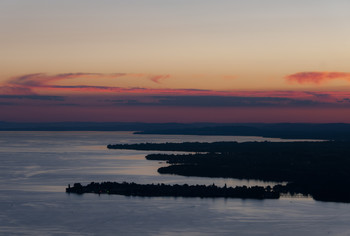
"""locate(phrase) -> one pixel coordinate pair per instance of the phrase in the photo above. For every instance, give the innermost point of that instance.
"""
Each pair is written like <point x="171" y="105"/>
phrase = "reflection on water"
<point x="36" y="167"/>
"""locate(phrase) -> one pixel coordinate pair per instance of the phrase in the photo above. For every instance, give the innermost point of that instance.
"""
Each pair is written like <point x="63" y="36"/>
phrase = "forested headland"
<point x="319" y="169"/>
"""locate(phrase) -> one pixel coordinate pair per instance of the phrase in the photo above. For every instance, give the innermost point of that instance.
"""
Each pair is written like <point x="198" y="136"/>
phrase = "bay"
<point x="36" y="167"/>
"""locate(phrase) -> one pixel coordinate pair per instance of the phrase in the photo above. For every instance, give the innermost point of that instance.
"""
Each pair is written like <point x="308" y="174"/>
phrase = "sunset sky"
<point x="175" y="60"/>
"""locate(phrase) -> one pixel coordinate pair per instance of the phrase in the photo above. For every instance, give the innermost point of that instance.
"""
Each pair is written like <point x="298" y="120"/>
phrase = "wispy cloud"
<point x="33" y="97"/>
<point x="41" y="79"/>
<point x="316" y="77"/>
<point x="37" y="88"/>
<point x="31" y="100"/>
<point x="11" y="89"/>
<point x="219" y="101"/>
<point x="158" y="78"/>
<point x="135" y="90"/>
<point x="26" y="84"/>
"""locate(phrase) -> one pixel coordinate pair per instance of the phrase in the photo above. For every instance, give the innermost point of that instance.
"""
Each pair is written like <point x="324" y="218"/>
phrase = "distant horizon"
<point x="140" y="122"/>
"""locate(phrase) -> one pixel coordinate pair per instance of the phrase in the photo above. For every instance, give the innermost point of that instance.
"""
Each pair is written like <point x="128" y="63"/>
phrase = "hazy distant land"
<point x="331" y="131"/>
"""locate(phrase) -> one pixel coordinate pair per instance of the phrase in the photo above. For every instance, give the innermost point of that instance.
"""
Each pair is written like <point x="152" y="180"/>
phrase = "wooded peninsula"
<point x="319" y="169"/>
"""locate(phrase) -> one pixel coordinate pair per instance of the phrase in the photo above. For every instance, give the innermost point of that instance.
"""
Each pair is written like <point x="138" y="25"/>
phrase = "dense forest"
<point x="320" y="169"/>
<point x="163" y="190"/>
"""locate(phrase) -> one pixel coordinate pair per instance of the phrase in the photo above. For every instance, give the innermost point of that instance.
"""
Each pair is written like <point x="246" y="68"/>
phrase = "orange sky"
<point x="127" y="60"/>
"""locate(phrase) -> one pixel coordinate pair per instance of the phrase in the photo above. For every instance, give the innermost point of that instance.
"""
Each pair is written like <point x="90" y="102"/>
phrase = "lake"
<point x="36" y="167"/>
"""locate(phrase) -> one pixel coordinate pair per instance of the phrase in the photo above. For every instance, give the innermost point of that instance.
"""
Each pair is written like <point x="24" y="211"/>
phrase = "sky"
<point x="175" y="61"/>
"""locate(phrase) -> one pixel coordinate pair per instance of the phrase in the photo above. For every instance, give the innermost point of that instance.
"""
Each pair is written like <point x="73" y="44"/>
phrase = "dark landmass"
<point x="242" y="148"/>
<point x="319" y="169"/>
<point x="162" y="190"/>
<point x="331" y="131"/>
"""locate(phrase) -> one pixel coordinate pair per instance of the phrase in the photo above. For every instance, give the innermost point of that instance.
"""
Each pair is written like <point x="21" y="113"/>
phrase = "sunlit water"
<point x="37" y="166"/>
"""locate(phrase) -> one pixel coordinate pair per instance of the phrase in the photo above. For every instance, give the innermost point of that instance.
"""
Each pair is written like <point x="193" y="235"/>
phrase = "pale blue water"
<point x="35" y="168"/>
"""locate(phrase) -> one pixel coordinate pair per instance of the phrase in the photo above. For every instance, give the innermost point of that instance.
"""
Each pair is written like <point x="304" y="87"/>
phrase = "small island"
<point x="163" y="190"/>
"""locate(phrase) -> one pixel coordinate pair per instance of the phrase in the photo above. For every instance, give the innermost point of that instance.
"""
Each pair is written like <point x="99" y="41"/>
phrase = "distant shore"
<point x="327" y="131"/>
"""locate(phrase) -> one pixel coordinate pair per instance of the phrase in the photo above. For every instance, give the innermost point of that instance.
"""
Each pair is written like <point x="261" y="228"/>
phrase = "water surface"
<point x="36" y="167"/>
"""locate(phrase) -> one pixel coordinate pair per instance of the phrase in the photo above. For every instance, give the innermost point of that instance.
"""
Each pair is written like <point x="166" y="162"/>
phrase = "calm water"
<point x="37" y="166"/>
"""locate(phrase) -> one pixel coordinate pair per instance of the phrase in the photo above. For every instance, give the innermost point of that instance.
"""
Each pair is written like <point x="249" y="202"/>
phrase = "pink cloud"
<point x="41" y="79"/>
<point x="8" y="90"/>
<point x="316" y="77"/>
<point x="40" y="83"/>
<point x="158" y="78"/>
<point x="134" y="90"/>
